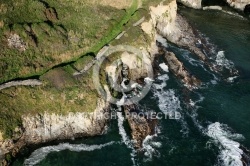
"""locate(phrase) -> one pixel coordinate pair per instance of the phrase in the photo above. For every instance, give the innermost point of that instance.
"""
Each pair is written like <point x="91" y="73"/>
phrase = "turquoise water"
<point x="186" y="141"/>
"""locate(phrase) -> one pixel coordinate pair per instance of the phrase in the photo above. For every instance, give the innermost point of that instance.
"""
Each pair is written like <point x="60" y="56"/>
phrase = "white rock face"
<point x="212" y="8"/>
<point x="196" y="4"/>
<point x="238" y="4"/>
<point x="47" y="127"/>
<point x="163" y="18"/>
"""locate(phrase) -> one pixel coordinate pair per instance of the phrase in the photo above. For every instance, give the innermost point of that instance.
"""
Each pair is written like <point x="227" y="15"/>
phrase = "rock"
<point x="196" y="4"/>
<point x="245" y="156"/>
<point x="175" y="28"/>
<point x="48" y="127"/>
<point x="15" y="41"/>
<point x="140" y="125"/>
<point x="179" y="70"/>
<point x="238" y="4"/>
<point x="212" y="8"/>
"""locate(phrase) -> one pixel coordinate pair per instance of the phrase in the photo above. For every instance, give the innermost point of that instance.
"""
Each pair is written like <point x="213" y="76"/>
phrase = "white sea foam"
<point x="222" y="61"/>
<point x="149" y="146"/>
<point x="230" y="152"/>
<point x="163" y="84"/>
<point x="231" y="79"/>
<point x="192" y="61"/>
<point x="168" y="102"/>
<point x="40" y="154"/>
<point x="234" y="14"/>
<point x="122" y="100"/>
<point x="193" y="111"/>
<point x="164" y="67"/>
<point x="122" y="131"/>
<point x="125" y="138"/>
<point x="162" y="40"/>
<point x="148" y="80"/>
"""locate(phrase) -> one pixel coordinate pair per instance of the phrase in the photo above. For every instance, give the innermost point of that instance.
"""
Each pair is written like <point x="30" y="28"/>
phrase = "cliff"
<point x="63" y="105"/>
<point x="196" y="4"/>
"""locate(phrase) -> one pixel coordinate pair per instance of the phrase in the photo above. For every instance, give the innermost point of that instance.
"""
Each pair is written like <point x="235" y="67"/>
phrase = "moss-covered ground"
<point x="61" y="38"/>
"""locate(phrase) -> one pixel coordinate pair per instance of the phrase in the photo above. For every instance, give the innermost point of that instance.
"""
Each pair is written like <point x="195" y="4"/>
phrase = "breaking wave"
<point x="168" y="102"/>
<point x="149" y="147"/>
<point x="223" y="62"/>
<point x="164" y="67"/>
<point x="125" y="138"/>
<point x="122" y="131"/>
<point x="234" y="14"/>
<point x="230" y="152"/>
<point x="40" y="154"/>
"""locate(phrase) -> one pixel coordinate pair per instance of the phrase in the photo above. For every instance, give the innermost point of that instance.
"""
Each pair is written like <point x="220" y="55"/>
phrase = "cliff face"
<point x="48" y="127"/>
<point x="196" y="4"/>
<point x="57" y="108"/>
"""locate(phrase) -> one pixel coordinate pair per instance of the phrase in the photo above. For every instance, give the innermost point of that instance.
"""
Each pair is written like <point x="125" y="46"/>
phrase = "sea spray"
<point x="122" y="131"/>
<point x="167" y="101"/>
<point x="222" y="61"/>
<point x="40" y="154"/>
<point x="164" y="67"/>
<point x="230" y="152"/>
<point x="149" y="148"/>
<point x="192" y="113"/>
<point x="125" y="138"/>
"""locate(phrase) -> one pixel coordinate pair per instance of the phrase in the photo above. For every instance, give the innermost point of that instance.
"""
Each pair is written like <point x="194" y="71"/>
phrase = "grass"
<point x="69" y="39"/>
<point x="51" y="42"/>
<point x="70" y="96"/>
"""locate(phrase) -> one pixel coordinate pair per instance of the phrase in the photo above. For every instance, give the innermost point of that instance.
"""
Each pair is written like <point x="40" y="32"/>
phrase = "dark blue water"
<point x="185" y="141"/>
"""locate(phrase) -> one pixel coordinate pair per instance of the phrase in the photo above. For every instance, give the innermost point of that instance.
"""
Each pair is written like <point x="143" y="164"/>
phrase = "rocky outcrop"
<point x="196" y="4"/>
<point x="46" y="127"/>
<point x="15" y="41"/>
<point x="212" y="8"/>
<point x="175" y="28"/>
<point x="179" y="70"/>
<point x="238" y="4"/>
<point x="141" y="124"/>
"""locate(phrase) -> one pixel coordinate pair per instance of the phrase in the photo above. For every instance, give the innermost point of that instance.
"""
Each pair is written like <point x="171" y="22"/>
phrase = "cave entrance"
<point x="214" y="3"/>
<point x="247" y="9"/>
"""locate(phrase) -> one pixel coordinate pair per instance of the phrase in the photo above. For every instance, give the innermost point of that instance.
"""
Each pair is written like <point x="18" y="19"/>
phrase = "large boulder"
<point x="196" y="4"/>
<point x="238" y="4"/>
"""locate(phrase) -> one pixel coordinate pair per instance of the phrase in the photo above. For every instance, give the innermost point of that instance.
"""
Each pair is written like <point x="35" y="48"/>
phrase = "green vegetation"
<point x="60" y="94"/>
<point x="61" y="36"/>
<point x="55" y="32"/>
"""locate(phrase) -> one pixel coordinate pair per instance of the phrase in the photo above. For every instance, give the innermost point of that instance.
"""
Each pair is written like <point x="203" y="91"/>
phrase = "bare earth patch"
<point x="119" y="4"/>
